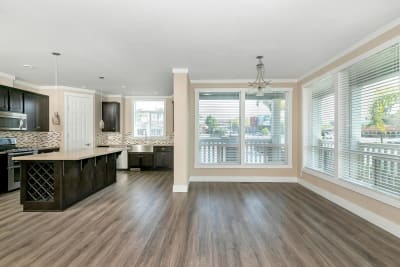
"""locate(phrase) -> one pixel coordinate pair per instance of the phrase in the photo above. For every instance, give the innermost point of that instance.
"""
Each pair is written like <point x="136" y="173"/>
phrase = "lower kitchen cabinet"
<point x="161" y="158"/>
<point x="140" y="160"/>
<point x="164" y="157"/>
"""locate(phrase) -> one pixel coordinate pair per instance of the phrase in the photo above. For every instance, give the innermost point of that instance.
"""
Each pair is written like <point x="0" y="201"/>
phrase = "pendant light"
<point x="101" y="123"/>
<point x="56" y="115"/>
<point x="259" y="84"/>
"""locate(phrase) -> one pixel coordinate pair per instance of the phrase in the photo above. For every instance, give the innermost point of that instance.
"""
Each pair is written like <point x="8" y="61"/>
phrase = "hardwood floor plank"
<point x="139" y="222"/>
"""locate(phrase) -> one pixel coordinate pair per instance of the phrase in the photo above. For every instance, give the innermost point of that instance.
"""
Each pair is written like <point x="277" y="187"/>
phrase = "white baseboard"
<point x="180" y="188"/>
<point x="370" y="216"/>
<point x="241" y="179"/>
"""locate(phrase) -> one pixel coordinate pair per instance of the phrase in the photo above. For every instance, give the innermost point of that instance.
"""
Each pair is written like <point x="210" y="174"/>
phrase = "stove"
<point x="10" y="170"/>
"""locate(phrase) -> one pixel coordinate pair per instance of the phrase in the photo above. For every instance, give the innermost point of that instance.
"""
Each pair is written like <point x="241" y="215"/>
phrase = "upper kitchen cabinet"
<point x="16" y="101"/>
<point x="3" y="98"/>
<point x="111" y="115"/>
<point x="36" y="107"/>
<point x="11" y="99"/>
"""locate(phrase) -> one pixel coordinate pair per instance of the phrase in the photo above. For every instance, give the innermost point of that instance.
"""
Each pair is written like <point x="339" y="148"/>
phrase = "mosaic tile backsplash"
<point x="34" y="139"/>
<point x="128" y="139"/>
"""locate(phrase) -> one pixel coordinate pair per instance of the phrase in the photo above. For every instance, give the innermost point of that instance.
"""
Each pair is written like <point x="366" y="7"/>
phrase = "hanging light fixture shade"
<point x="101" y="122"/>
<point x="260" y="84"/>
<point x="56" y="115"/>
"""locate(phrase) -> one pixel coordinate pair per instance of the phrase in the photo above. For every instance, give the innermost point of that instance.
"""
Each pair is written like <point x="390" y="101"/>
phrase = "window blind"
<point x="369" y="121"/>
<point x="240" y="128"/>
<point x="218" y="128"/>
<point x="320" y="144"/>
<point x="266" y="119"/>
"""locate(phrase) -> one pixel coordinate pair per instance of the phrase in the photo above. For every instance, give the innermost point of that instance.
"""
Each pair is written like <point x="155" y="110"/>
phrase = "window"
<point x="370" y="121"/>
<point x="149" y="118"/>
<point x="367" y="148"/>
<point x="320" y="146"/>
<point x="238" y="128"/>
<point x="266" y="129"/>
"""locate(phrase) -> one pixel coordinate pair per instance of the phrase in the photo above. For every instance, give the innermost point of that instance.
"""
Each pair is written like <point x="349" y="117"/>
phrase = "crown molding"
<point x="27" y="84"/>
<point x="7" y="76"/>
<point x="352" y="48"/>
<point x="222" y="81"/>
<point x="67" y="88"/>
<point x="120" y="96"/>
<point x="144" y="97"/>
<point x="180" y="70"/>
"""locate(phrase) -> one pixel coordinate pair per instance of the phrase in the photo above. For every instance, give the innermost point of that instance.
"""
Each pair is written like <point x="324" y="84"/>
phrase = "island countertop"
<point x="71" y="155"/>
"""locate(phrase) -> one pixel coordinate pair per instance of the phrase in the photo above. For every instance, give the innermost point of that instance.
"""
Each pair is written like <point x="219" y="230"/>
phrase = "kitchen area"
<point x="133" y="135"/>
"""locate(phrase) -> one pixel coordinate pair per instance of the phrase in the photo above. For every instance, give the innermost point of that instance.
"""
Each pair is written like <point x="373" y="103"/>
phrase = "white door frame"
<point x="66" y="116"/>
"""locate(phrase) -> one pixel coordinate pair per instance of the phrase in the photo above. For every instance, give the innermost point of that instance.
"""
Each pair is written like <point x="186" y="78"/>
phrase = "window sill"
<point x="386" y="198"/>
<point x="247" y="166"/>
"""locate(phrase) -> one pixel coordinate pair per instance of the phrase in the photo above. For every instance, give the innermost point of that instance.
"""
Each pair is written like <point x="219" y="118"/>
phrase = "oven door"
<point x="14" y="170"/>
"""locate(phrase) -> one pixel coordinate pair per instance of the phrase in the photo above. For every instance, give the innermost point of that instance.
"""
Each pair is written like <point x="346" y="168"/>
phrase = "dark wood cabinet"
<point x="3" y="98"/>
<point x="16" y="101"/>
<point x="164" y="157"/>
<point x="111" y="115"/>
<point x="59" y="184"/>
<point x="36" y="107"/>
<point x="140" y="160"/>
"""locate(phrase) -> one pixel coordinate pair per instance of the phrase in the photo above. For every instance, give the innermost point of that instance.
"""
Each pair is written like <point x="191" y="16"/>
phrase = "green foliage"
<point x="211" y="123"/>
<point x="380" y="109"/>
<point x="380" y="112"/>
<point x="265" y="131"/>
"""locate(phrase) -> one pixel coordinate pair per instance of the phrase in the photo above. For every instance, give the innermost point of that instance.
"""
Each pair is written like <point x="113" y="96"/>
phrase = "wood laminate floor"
<point x="139" y="222"/>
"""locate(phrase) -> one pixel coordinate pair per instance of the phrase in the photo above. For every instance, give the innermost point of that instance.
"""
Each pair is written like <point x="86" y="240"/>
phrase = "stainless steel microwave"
<point x="13" y="121"/>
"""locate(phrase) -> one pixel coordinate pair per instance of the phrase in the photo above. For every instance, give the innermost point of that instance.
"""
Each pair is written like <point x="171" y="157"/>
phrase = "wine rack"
<point x="40" y="181"/>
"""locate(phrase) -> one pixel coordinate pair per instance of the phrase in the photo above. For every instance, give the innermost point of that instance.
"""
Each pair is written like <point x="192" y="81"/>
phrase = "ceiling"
<point x="135" y="44"/>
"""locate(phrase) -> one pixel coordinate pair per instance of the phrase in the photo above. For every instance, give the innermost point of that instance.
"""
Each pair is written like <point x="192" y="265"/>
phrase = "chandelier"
<point x="260" y="84"/>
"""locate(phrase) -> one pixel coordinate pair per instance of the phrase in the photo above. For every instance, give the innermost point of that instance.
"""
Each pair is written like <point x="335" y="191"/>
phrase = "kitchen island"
<point x="55" y="181"/>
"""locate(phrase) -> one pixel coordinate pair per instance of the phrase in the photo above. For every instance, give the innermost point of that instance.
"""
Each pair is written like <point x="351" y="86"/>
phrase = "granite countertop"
<point x="71" y="155"/>
<point x="35" y="148"/>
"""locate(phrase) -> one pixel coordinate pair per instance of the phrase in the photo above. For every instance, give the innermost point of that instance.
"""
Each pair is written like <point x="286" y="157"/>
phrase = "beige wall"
<point x="387" y="211"/>
<point x="274" y="172"/>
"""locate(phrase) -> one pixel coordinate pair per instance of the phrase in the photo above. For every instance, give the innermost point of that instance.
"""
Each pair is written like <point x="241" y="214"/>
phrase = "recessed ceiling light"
<point x="156" y="93"/>
<point x="83" y="86"/>
<point x="28" y="66"/>
<point x="123" y="86"/>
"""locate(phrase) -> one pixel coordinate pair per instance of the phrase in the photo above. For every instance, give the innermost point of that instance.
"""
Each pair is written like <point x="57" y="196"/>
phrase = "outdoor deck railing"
<point x="377" y="165"/>
<point x="214" y="151"/>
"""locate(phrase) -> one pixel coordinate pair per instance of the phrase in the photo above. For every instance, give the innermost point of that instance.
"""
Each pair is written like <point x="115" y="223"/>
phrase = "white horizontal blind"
<point x="149" y="118"/>
<point x="266" y="125"/>
<point x="369" y="117"/>
<point x="320" y="149"/>
<point x="218" y="128"/>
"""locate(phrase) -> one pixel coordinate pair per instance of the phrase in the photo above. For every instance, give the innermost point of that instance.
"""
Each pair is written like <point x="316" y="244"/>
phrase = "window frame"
<point x="134" y="100"/>
<point x="243" y="165"/>
<point x="307" y="122"/>
<point x="361" y="188"/>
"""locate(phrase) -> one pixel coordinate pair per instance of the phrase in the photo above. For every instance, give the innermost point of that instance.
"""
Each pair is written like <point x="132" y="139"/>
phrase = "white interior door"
<point x="78" y="126"/>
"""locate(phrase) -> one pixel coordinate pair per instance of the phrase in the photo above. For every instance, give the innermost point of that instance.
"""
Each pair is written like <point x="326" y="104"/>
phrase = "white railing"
<point x="374" y="164"/>
<point x="324" y="156"/>
<point x="379" y="165"/>
<point x="220" y="151"/>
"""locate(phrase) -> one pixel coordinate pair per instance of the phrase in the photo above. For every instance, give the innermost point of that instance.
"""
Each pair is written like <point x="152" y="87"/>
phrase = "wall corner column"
<point x="181" y="129"/>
